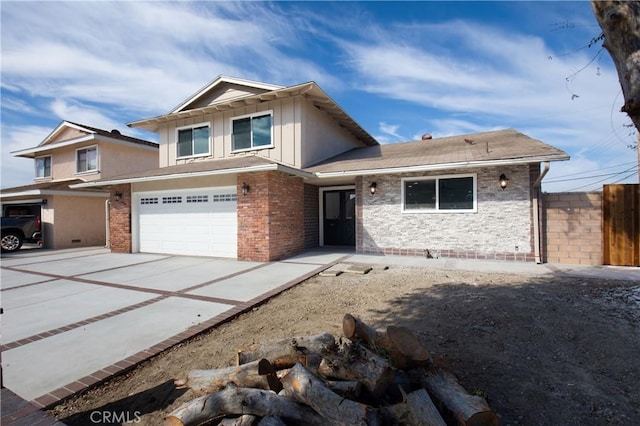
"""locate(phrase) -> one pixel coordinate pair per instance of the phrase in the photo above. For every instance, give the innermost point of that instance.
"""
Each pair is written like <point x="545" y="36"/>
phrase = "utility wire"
<point x="591" y="171"/>
<point x="602" y="180"/>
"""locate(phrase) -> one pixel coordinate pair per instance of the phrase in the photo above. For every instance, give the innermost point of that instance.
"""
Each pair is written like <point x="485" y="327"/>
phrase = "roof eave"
<point x="43" y="192"/>
<point x="441" y="166"/>
<point x="234" y="170"/>
<point x="32" y="152"/>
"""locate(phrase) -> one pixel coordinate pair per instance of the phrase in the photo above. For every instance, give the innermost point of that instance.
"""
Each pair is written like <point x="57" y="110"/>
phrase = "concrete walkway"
<point x="73" y="318"/>
<point x="495" y="266"/>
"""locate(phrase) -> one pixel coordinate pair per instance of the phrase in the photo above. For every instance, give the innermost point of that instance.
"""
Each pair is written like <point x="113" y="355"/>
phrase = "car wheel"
<point x="11" y="242"/>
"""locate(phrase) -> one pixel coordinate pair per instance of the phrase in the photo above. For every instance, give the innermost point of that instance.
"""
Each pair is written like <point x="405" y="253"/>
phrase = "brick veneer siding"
<point x="270" y="216"/>
<point x="120" y="219"/>
<point x="311" y="217"/>
<point x="501" y="229"/>
<point x="573" y="227"/>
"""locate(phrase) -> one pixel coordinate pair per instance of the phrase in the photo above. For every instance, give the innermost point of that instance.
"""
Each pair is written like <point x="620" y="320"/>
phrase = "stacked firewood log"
<point x="367" y="377"/>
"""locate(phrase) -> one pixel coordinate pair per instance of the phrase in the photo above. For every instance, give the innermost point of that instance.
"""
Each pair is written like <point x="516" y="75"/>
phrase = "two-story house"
<point x="74" y="153"/>
<point x="258" y="171"/>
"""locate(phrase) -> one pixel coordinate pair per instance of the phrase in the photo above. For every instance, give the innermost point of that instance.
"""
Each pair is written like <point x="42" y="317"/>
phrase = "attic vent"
<point x="116" y="132"/>
<point x="426" y="137"/>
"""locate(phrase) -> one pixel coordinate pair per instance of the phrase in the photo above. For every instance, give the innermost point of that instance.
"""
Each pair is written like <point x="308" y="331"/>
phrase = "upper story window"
<point x="43" y="167"/>
<point x="87" y="159"/>
<point x="252" y="132"/>
<point x="193" y="140"/>
<point x="456" y="193"/>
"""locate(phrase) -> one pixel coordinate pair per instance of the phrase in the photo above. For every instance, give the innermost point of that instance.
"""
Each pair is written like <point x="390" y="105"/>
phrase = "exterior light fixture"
<point x="373" y="187"/>
<point x="504" y="181"/>
<point x="117" y="196"/>
<point x="245" y="188"/>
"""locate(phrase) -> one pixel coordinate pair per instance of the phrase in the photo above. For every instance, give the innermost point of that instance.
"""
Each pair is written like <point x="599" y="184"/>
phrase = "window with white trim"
<point x="43" y="167"/>
<point x="453" y="193"/>
<point x="87" y="159"/>
<point x="251" y="132"/>
<point x="193" y="140"/>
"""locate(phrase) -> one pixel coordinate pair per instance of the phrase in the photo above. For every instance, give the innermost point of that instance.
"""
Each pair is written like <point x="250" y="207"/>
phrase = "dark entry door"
<point x="339" y="217"/>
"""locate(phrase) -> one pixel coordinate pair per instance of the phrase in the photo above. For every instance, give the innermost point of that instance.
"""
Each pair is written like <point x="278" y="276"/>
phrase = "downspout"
<point x="536" y="212"/>
<point x="107" y="203"/>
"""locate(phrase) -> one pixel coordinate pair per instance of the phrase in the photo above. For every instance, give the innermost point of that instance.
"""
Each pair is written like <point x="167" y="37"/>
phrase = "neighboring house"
<point x="260" y="172"/>
<point x="73" y="154"/>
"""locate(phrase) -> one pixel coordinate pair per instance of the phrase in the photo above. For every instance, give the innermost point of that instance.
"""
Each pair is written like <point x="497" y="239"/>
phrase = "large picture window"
<point x="251" y="132"/>
<point x="43" y="167"/>
<point x="439" y="194"/>
<point x="193" y="141"/>
<point x="87" y="159"/>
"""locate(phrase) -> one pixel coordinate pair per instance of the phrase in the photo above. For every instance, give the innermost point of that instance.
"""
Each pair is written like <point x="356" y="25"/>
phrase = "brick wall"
<point x="311" y="217"/>
<point x="500" y="229"/>
<point x="572" y="223"/>
<point x="120" y="219"/>
<point x="270" y="216"/>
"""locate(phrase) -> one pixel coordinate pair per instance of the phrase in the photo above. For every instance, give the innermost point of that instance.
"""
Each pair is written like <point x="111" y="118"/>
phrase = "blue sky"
<point x="400" y="69"/>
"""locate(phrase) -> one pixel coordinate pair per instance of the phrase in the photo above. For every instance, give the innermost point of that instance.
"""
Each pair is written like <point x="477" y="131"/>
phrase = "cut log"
<point x="416" y="410"/>
<point x="209" y="381"/>
<point x="449" y="396"/>
<point x="271" y="421"/>
<point x="286" y="352"/>
<point x="399" y="344"/>
<point x="346" y="388"/>
<point x="405" y="350"/>
<point x="355" y="362"/>
<point x="310" y="390"/>
<point x="353" y="328"/>
<point x="244" y="420"/>
<point x="234" y="400"/>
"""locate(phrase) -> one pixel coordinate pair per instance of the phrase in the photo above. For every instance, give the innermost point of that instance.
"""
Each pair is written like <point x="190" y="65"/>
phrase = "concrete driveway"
<point x="73" y="318"/>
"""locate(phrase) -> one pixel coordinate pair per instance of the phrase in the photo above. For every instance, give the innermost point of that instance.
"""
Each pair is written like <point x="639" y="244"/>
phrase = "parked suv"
<point x="19" y="229"/>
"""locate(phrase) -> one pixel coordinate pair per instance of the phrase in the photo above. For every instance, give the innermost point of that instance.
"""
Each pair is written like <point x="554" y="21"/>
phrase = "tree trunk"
<point x="310" y="390"/>
<point x="399" y="344"/>
<point x="620" y="23"/>
<point x="235" y="400"/>
<point x="466" y="409"/>
<point x="417" y="410"/>
<point x="355" y="362"/>
<point x="286" y="352"/>
<point x="209" y="381"/>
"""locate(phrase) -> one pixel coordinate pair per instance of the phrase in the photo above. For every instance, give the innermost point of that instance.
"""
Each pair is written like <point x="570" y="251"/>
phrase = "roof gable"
<point x="68" y="133"/>
<point x="223" y="89"/>
<point x="65" y="131"/>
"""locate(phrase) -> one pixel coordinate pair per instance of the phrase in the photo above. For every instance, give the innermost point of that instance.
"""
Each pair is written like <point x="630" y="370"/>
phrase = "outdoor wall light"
<point x="373" y="187"/>
<point x="504" y="181"/>
<point x="117" y="196"/>
<point x="245" y="188"/>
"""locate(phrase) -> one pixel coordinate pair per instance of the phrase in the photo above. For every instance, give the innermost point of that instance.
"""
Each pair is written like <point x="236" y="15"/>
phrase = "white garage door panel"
<point x="202" y="222"/>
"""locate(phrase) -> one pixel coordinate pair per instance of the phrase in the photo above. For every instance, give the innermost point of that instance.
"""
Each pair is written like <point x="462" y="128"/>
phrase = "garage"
<point x="199" y="222"/>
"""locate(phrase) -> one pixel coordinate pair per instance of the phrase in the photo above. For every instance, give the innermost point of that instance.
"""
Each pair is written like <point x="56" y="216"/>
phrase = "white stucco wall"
<point x="502" y="223"/>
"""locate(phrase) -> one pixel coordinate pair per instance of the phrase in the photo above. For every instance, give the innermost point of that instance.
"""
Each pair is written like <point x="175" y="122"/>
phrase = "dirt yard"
<point x="544" y="350"/>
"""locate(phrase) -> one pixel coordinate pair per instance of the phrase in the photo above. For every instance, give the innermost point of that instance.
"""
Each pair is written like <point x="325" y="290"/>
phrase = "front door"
<point x="339" y="217"/>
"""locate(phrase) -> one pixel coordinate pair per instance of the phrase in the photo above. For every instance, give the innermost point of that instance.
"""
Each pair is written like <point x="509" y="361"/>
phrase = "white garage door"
<point x="195" y="222"/>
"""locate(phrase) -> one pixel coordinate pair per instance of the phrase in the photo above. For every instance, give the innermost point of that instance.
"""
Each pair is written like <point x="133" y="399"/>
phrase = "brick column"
<point x="120" y="219"/>
<point x="270" y="216"/>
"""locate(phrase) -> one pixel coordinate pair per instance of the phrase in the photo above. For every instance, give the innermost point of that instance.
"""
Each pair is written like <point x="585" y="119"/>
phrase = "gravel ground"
<point x="546" y="350"/>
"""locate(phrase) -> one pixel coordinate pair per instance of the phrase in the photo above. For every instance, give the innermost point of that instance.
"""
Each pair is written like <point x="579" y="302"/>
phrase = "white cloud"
<point x="19" y="171"/>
